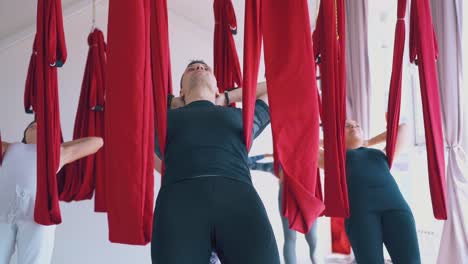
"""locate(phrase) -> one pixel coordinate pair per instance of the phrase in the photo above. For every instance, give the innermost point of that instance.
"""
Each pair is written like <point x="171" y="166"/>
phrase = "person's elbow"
<point x="96" y="143"/>
<point x="99" y="142"/>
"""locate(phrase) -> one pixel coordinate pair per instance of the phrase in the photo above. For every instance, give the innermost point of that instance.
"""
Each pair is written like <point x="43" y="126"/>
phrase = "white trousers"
<point x="34" y="243"/>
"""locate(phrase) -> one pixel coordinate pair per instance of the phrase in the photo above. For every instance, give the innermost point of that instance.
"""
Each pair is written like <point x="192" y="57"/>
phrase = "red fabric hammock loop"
<point x="49" y="33"/>
<point x="226" y="62"/>
<point x="56" y="43"/>
<point x="422" y="30"/>
<point x="85" y="176"/>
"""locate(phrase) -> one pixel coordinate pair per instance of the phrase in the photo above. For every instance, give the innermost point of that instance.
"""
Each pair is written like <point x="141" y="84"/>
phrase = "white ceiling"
<point x="201" y="12"/>
<point x="17" y="16"/>
<point x="20" y="15"/>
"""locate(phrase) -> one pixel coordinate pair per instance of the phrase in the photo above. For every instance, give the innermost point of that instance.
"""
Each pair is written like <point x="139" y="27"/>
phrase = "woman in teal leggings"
<point x="379" y="213"/>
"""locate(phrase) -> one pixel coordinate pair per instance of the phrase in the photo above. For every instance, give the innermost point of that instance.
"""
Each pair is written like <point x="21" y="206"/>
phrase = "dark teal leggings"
<point x="194" y="217"/>
<point x="368" y="231"/>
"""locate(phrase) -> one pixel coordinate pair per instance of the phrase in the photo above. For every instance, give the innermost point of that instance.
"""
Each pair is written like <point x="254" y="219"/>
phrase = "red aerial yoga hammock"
<point x="423" y="50"/>
<point x="161" y="69"/>
<point x="51" y="53"/>
<point x="226" y="63"/>
<point x="129" y="123"/>
<point x="340" y="242"/>
<point x="329" y="39"/>
<point x="98" y="106"/>
<point x="423" y="46"/>
<point x="290" y="72"/>
<point x="329" y="44"/>
<point x="87" y="174"/>
<point x="252" y="50"/>
<point x="129" y="135"/>
<point x="394" y="98"/>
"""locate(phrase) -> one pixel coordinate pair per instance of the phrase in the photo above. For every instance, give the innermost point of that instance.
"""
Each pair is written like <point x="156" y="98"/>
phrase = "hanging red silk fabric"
<point x="328" y="50"/>
<point x="252" y="50"/>
<point x="329" y="39"/>
<point x="394" y="98"/>
<point x="30" y="90"/>
<point x="339" y="239"/>
<point x="51" y="53"/>
<point x="129" y="122"/>
<point x="98" y="106"/>
<point x="423" y="47"/>
<point x="226" y="63"/>
<point x="86" y="175"/>
<point x="161" y="69"/>
<point x="294" y="115"/>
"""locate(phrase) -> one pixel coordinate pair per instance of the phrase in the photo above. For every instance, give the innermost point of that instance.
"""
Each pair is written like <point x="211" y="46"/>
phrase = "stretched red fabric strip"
<point x="30" y="90"/>
<point x="129" y="119"/>
<point x="252" y="50"/>
<point x="49" y="30"/>
<point x="99" y="107"/>
<point x="162" y="86"/>
<point x="290" y="72"/>
<point x="226" y="63"/>
<point x="423" y="47"/>
<point x="329" y="34"/>
<point x="394" y="98"/>
<point x="162" y="82"/>
<point x="340" y="242"/>
<point x="85" y="175"/>
<point x="161" y="68"/>
<point x="342" y="81"/>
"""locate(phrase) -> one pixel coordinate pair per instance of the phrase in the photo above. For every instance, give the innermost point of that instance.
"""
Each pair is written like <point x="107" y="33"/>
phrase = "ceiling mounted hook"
<point x="93" y="26"/>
